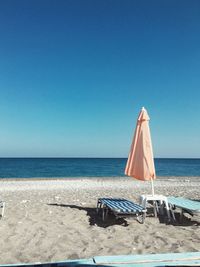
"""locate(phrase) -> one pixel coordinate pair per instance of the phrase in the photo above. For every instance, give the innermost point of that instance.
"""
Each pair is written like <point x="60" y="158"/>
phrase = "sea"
<point x="90" y="167"/>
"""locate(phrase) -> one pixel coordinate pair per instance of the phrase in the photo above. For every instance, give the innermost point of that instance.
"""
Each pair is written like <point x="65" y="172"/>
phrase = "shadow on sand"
<point x="185" y="220"/>
<point x="94" y="217"/>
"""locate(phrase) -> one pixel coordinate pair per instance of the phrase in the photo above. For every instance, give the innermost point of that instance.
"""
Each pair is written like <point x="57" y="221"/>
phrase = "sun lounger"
<point x="121" y="208"/>
<point x="185" y="205"/>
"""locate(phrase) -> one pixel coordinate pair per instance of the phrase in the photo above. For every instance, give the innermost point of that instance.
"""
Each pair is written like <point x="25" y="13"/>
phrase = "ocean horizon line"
<point x="93" y="157"/>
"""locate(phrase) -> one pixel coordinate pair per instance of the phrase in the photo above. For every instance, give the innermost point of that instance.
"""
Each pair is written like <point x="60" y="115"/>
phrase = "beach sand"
<point x="55" y="220"/>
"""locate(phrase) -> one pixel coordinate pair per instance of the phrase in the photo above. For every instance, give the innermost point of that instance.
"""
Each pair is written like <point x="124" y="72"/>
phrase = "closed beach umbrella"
<point x="140" y="163"/>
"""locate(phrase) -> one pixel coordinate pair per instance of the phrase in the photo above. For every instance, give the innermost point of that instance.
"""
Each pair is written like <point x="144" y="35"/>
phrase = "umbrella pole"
<point x="152" y="187"/>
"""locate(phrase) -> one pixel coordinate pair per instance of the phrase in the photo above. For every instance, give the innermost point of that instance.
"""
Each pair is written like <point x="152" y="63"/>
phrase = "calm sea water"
<point x="89" y="167"/>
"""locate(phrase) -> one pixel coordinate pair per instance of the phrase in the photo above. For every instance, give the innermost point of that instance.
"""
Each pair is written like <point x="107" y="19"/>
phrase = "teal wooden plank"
<point x="149" y="260"/>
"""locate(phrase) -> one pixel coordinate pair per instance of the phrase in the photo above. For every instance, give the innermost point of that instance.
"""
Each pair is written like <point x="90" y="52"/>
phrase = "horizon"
<point x="84" y="158"/>
<point x="75" y="74"/>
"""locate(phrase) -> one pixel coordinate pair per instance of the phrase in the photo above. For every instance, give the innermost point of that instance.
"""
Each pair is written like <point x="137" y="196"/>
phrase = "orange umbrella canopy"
<point x="140" y="164"/>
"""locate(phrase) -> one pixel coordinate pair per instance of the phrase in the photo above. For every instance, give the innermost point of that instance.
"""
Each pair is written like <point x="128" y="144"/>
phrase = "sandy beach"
<point x="54" y="220"/>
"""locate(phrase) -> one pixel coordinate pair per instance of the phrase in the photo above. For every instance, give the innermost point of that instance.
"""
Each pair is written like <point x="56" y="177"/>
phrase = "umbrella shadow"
<point x="94" y="217"/>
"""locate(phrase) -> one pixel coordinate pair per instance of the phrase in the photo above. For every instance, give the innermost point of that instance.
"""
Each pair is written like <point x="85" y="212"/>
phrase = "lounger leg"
<point x="160" y="207"/>
<point x="103" y="214"/>
<point x="98" y="206"/>
<point x="172" y="213"/>
<point x="181" y="215"/>
<point x="167" y="209"/>
<point x="155" y="208"/>
<point x="2" y="204"/>
<point x="141" y="217"/>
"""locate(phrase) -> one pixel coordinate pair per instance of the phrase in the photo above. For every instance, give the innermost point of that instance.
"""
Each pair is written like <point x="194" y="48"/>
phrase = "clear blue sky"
<point x="75" y="74"/>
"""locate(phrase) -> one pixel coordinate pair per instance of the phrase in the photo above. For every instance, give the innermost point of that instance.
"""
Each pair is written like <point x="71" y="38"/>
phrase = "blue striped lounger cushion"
<point x="121" y="205"/>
